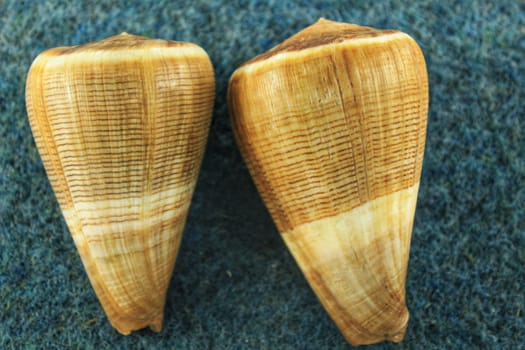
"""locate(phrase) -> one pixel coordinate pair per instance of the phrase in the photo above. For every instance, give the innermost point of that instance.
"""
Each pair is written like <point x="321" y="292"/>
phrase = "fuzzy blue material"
<point x="235" y="285"/>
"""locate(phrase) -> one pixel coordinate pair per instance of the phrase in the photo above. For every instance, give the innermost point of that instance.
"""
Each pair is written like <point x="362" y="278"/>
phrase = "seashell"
<point x="332" y="125"/>
<point x="121" y="127"/>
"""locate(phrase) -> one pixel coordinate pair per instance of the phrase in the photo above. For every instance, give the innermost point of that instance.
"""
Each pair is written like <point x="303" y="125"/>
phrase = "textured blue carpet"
<point x="235" y="285"/>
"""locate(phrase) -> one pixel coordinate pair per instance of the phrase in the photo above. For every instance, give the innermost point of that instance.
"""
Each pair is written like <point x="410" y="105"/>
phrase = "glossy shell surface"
<point x="332" y="125"/>
<point x="121" y="127"/>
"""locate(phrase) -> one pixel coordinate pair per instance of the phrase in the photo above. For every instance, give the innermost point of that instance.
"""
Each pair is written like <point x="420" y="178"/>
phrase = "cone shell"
<point x="332" y="126"/>
<point x="121" y="126"/>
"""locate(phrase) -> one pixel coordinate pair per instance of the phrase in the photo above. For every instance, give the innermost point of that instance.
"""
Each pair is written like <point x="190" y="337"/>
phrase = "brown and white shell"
<point x="121" y="127"/>
<point x="332" y="126"/>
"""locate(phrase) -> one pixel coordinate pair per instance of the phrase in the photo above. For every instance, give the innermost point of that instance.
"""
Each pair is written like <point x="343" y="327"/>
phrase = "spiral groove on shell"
<point x="332" y="125"/>
<point x="121" y="127"/>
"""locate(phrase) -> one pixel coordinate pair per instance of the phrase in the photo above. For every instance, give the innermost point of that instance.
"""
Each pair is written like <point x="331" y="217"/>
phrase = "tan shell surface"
<point x="121" y="127"/>
<point x="332" y="126"/>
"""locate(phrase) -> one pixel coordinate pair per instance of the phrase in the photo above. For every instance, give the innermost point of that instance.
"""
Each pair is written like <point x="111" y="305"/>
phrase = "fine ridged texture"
<point x="332" y="125"/>
<point x="121" y="127"/>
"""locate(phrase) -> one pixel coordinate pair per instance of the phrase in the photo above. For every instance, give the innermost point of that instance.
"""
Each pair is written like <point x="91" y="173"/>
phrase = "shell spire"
<point x="121" y="126"/>
<point x="332" y="126"/>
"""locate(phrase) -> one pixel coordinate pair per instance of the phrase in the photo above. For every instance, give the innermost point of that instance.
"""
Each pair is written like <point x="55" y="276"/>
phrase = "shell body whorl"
<point x="121" y="126"/>
<point x="332" y="125"/>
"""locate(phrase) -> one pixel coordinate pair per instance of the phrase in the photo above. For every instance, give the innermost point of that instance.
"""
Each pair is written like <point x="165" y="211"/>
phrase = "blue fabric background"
<point x="235" y="285"/>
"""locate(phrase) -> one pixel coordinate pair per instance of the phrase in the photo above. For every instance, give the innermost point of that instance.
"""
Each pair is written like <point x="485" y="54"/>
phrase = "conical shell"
<point x="332" y="126"/>
<point x="121" y="126"/>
